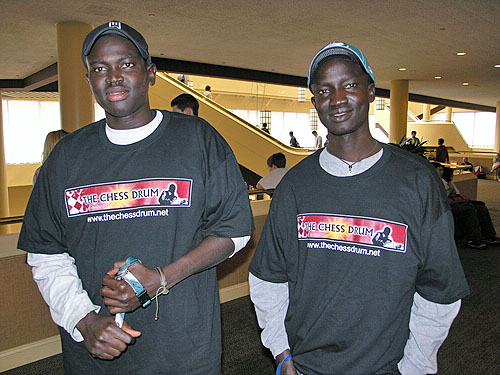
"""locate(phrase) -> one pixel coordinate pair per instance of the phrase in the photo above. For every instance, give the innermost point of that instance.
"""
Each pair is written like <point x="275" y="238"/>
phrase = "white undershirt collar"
<point x="336" y="167"/>
<point x="129" y="136"/>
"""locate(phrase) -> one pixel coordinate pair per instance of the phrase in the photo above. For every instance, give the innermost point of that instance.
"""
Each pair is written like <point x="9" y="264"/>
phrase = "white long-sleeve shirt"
<point x="56" y="275"/>
<point x="429" y="321"/>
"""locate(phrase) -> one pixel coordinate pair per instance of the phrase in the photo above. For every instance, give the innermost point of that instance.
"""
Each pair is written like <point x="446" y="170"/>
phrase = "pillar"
<point x="449" y="112"/>
<point x="427" y="113"/>
<point x="75" y="99"/>
<point x="4" y="187"/>
<point x="497" y="130"/>
<point x="399" y="110"/>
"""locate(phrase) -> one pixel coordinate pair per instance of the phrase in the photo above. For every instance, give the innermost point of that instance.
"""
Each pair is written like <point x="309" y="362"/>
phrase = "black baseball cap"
<point x="118" y="28"/>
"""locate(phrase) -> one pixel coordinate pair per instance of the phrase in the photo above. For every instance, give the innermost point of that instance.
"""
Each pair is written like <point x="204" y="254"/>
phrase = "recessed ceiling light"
<point x="461" y="53"/>
<point x="465" y="83"/>
<point x="402" y="69"/>
<point x="152" y="15"/>
<point x="497" y="66"/>
<point x="438" y="77"/>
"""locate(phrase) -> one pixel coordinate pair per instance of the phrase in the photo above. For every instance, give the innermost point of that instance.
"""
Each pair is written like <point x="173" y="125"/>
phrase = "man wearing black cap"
<point x="330" y="298"/>
<point x="100" y="199"/>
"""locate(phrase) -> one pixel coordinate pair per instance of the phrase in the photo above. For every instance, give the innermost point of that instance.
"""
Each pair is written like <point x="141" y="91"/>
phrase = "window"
<point x="313" y="119"/>
<point x="265" y="117"/>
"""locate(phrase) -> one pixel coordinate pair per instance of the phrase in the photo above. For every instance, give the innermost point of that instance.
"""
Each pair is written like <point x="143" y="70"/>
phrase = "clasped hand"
<point x="102" y="337"/>
<point x="118" y="294"/>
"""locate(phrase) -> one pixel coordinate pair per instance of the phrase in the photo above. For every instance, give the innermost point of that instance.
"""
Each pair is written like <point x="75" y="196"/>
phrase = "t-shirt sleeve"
<point x="278" y="242"/>
<point x="227" y="208"/>
<point x="43" y="225"/>
<point x="440" y="276"/>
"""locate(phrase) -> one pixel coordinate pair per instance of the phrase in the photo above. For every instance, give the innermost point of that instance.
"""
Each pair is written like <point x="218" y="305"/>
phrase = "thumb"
<point x="128" y="329"/>
<point x="116" y="267"/>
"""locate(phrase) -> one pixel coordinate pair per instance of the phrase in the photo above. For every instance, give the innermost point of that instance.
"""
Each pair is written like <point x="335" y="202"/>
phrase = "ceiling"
<point x="423" y="36"/>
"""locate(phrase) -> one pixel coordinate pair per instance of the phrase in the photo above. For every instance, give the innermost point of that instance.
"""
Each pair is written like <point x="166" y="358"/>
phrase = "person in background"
<point x="159" y="186"/>
<point x="208" y="92"/>
<point x="413" y="140"/>
<point x="264" y="128"/>
<point x="184" y="78"/>
<point x="496" y="162"/>
<point x="50" y="142"/>
<point x="293" y="140"/>
<point x="473" y="217"/>
<point x="277" y="169"/>
<point x="328" y="299"/>
<point x="442" y="152"/>
<point x="465" y="161"/>
<point x="318" y="141"/>
<point x="185" y="103"/>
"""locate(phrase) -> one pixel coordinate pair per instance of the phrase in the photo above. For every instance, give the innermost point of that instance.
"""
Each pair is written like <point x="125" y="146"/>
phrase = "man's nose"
<point x="114" y="77"/>
<point x="338" y="97"/>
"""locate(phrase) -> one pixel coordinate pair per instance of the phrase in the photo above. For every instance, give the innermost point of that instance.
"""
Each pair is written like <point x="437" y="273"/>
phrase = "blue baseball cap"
<point x="117" y="28"/>
<point x="339" y="48"/>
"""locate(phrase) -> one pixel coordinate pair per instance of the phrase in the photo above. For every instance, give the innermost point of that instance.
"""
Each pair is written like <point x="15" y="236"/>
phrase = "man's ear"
<point x="371" y="92"/>
<point x="87" y="78"/>
<point x="188" y="111"/>
<point x="152" y="74"/>
<point x="313" y="101"/>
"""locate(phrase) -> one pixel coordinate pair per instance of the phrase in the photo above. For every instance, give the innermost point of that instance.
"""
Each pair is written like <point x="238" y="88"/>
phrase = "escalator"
<point x="251" y="145"/>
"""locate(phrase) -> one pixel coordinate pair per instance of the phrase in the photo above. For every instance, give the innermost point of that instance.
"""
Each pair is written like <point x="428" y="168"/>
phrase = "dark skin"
<point x="342" y="93"/>
<point x="119" y="79"/>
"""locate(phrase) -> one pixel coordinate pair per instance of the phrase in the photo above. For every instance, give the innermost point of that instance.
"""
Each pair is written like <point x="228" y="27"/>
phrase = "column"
<point x="427" y="113"/>
<point x="4" y="188"/>
<point x="449" y="113"/>
<point x="399" y="110"/>
<point x="497" y="130"/>
<point x="75" y="99"/>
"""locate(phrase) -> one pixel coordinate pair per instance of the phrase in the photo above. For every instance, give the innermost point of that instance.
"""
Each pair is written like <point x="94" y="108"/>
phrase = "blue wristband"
<point x="278" y="370"/>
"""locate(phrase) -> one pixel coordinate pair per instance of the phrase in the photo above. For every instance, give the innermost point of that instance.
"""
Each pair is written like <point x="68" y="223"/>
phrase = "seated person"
<point x="277" y="169"/>
<point x="185" y="103"/>
<point x="471" y="217"/>
<point x="465" y="161"/>
<point x="496" y="162"/>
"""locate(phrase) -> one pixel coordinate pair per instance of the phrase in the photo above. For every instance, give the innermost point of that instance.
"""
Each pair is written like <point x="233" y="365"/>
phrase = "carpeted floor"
<point x="472" y="347"/>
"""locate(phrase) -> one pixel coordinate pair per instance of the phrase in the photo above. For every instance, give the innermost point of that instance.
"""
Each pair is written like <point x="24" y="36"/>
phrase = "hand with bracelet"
<point x="119" y="296"/>
<point x="285" y="360"/>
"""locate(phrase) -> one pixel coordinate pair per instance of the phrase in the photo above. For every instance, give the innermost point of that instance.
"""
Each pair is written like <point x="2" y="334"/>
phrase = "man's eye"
<point x="98" y="69"/>
<point x="351" y="85"/>
<point x="128" y="65"/>
<point x="322" y="91"/>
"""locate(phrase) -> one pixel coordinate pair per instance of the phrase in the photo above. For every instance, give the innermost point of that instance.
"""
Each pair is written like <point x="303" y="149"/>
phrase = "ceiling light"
<point x="438" y="77"/>
<point x="461" y="53"/>
<point x="497" y="66"/>
<point x="465" y="83"/>
<point x="402" y="69"/>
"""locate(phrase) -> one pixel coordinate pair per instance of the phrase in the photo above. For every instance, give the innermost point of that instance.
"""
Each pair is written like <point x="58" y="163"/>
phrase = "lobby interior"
<point x="255" y="57"/>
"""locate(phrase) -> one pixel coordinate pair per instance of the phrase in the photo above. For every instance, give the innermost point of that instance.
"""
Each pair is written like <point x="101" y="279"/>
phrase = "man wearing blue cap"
<point x="330" y="297"/>
<point x="134" y="186"/>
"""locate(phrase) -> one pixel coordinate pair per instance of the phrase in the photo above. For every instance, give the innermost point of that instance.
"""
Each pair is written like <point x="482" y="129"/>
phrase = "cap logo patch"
<point x="115" y="24"/>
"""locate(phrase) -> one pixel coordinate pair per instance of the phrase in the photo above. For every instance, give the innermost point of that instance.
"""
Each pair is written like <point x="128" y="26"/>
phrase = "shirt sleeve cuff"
<point x="239" y="243"/>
